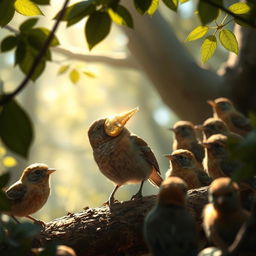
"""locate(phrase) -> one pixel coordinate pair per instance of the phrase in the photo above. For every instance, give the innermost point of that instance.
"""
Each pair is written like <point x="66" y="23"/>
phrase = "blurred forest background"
<point x="62" y="111"/>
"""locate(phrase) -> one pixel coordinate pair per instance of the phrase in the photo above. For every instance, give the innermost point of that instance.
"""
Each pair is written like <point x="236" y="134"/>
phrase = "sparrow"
<point x="185" y="138"/>
<point x="224" y="215"/>
<point x="168" y="228"/>
<point x="216" y="162"/>
<point x="121" y="156"/>
<point x="30" y="192"/>
<point x="183" y="164"/>
<point x="224" y="109"/>
<point x="212" y="126"/>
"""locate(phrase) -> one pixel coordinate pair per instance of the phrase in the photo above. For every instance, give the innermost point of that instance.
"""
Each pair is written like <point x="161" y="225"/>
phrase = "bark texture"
<point x="101" y="232"/>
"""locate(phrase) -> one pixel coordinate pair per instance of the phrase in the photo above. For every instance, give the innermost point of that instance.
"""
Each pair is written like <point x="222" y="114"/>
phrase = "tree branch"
<point x="113" y="59"/>
<point x="238" y="17"/>
<point x="100" y="231"/>
<point x="7" y="97"/>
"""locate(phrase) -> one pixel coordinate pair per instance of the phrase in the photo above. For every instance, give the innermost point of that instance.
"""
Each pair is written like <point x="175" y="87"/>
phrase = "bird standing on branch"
<point x="169" y="230"/>
<point x="224" y="215"/>
<point x="185" y="138"/>
<point x="183" y="164"/>
<point x="30" y="192"/>
<point x="224" y="109"/>
<point x="121" y="156"/>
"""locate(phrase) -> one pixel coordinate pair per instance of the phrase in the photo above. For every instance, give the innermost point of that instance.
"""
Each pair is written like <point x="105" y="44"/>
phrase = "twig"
<point x="7" y="97"/>
<point x="238" y="17"/>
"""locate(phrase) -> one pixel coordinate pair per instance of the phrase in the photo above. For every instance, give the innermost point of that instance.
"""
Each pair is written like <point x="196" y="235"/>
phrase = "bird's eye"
<point x="37" y="172"/>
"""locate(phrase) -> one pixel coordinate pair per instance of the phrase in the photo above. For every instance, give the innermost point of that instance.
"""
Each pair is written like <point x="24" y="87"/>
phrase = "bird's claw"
<point x="137" y="196"/>
<point x="40" y="223"/>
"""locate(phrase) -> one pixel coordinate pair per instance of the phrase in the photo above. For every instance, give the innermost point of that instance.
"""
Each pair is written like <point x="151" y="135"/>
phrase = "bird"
<point x="169" y="229"/>
<point x="30" y="192"/>
<point x="61" y="250"/>
<point x="223" y="216"/>
<point x="216" y="162"/>
<point x="224" y="109"/>
<point x="185" y="138"/>
<point x="122" y="157"/>
<point x="183" y="164"/>
<point x="213" y="126"/>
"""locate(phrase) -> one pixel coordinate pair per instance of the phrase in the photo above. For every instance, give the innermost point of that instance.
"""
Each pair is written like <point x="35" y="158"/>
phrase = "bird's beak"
<point x="169" y="156"/>
<point x="51" y="170"/>
<point x="171" y="129"/>
<point x="115" y="124"/>
<point x="212" y="103"/>
<point x="199" y="127"/>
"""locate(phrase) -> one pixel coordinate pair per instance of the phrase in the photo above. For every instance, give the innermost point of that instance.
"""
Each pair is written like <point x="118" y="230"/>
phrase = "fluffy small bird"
<point x="224" y="109"/>
<point x="30" y="192"/>
<point x="216" y="161"/>
<point x="183" y="164"/>
<point x="185" y="138"/>
<point x="121" y="156"/>
<point x="224" y="215"/>
<point x="168" y="228"/>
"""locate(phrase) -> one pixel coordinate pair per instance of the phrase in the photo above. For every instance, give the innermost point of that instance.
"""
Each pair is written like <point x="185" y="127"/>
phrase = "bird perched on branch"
<point x="216" y="161"/>
<point x="183" y="164"/>
<point x="224" y="215"/>
<point x="168" y="228"/>
<point x="224" y="109"/>
<point x="30" y="192"/>
<point x="185" y="138"/>
<point x="121" y="156"/>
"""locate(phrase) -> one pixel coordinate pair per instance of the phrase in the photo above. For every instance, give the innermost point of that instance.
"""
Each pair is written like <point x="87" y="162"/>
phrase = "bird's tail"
<point x="155" y="178"/>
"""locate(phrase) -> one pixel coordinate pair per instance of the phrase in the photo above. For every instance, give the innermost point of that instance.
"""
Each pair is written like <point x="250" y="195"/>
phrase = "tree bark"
<point x="102" y="232"/>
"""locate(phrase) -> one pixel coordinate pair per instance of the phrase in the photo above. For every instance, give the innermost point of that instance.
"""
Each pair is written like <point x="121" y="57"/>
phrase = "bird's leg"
<point x="15" y="219"/>
<point x="39" y="222"/>
<point x="138" y="195"/>
<point x="111" y="198"/>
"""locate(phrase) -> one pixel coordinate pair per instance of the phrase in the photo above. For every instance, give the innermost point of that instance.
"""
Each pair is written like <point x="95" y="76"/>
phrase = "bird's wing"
<point x="198" y="151"/>
<point x="149" y="156"/>
<point x="16" y="191"/>
<point x="241" y="122"/>
<point x="147" y="152"/>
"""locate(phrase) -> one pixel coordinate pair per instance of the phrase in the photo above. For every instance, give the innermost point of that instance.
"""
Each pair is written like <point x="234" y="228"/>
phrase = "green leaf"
<point x="239" y="8"/>
<point x="6" y="12"/>
<point x="197" y="33"/>
<point x="28" y="24"/>
<point x="142" y="6"/>
<point x="16" y="129"/>
<point x="28" y="60"/>
<point x="63" y="69"/>
<point x="20" y="51"/>
<point x="208" y="48"/>
<point x="171" y="4"/>
<point x="74" y="76"/>
<point x="89" y="74"/>
<point x="228" y="40"/>
<point x="27" y="8"/>
<point x="121" y="16"/>
<point x="4" y="202"/>
<point x="4" y="179"/>
<point x="41" y="2"/>
<point x="97" y="28"/>
<point x="153" y="7"/>
<point x="38" y="36"/>
<point x="183" y="1"/>
<point x="8" y="43"/>
<point x="208" y="13"/>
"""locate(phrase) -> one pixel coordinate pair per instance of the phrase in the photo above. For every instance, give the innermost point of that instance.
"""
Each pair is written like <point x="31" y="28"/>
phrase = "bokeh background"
<point x="62" y="111"/>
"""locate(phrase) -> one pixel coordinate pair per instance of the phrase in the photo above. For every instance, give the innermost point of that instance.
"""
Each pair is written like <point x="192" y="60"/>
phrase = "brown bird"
<point x="121" y="156"/>
<point x="216" y="161"/>
<point x="183" y="164"/>
<point x="30" y="192"/>
<point x="213" y="126"/>
<point x="168" y="228"/>
<point x="224" y="215"/>
<point x="185" y="138"/>
<point x="224" y="109"/>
